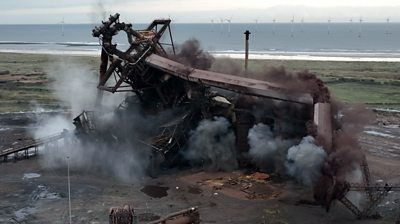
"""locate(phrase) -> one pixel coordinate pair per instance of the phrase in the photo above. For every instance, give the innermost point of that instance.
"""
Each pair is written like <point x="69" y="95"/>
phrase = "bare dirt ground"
<point x="30" y="193"/>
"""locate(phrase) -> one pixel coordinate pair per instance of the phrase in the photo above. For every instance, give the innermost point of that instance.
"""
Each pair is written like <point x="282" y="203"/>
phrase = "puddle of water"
<point x="194" y="190"/>
<point x="155" y="191"/>
<point x="30" y="175"/>
<point x="376" y="133"/>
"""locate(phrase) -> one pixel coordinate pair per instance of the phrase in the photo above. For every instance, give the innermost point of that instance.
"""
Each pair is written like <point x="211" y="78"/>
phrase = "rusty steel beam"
<point x="187" y="216"/>
<point x="322" y="119"/>
<point x="32" y="144"/>
<point x="349" y="205"/>
<point x="234" y="83"/>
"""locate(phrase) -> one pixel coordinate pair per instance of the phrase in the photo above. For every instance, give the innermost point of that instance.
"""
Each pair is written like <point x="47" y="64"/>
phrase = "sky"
<point x="197" y="11"/>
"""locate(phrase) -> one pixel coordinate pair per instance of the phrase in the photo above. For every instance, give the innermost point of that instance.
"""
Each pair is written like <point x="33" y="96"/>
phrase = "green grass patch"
<point x="376" y="83"/>
<point x="356" y="92"/>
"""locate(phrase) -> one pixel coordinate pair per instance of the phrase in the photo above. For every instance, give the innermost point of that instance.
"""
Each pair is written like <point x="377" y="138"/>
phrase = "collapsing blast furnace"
<point x="176" y="91"/>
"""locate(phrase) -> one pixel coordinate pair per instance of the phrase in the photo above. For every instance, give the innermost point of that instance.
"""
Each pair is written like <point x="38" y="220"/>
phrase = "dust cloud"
<point x="212" y="144"/>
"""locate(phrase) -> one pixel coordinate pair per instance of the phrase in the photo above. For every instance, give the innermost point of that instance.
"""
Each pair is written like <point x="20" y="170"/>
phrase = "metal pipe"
<point x="246" y="57"/>
<point x="69" y="193"/>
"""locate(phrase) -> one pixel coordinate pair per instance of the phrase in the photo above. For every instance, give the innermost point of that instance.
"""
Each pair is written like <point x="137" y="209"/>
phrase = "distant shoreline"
<point x="291" y="56"/>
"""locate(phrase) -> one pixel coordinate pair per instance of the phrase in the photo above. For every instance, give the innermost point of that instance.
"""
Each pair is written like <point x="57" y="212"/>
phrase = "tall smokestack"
<point x="246" y="58"/>
<point x="322" y="118"/>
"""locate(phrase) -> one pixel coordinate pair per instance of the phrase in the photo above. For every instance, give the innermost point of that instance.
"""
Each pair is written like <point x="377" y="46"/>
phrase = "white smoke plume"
<point x="213" y="144"/>
<point x="266" y="150"/>
<point x="75" y="84"/>
<point x="304" y="161"/>
<point x="102" y="8"/>
<point x="50" y="125"/>
<point x="124" y="162"/>
<point x="261" y="141"/>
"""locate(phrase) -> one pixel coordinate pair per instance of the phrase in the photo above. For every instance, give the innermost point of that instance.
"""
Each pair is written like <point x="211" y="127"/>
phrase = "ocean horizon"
<point x="281" y="41"/>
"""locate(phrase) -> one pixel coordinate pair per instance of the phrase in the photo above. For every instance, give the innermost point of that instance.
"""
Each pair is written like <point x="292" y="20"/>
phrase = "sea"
<point x="286" y="41"/>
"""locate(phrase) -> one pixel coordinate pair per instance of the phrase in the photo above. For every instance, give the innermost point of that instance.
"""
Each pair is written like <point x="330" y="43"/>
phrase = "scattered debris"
<point x="121" y="215"/>
<point x="236" y="184"/>
<point x="126" y="215"/>
<point x="42" y="192"/>
<point x="187" y="216"/>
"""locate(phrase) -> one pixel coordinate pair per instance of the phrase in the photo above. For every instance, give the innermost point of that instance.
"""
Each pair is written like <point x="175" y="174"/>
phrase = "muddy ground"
<point x="30" y="193"/>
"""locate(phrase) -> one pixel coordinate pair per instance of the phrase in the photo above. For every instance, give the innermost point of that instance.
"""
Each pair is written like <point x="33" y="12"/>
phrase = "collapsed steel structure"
<point x="161" y="83"/>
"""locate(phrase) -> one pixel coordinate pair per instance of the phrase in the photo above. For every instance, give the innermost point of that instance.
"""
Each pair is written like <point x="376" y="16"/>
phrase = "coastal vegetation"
<point x="373" y="83"/>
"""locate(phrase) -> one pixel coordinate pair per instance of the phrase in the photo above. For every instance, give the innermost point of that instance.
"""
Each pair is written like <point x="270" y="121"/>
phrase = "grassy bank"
<point x="376" y="83"/>
<point x="27" y="83"/>
<point x="373" y="83"/>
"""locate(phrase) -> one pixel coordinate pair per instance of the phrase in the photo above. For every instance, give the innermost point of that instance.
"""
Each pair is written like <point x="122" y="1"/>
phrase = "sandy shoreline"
<point x="298" y="56"/>
<point x="310" y="57"/>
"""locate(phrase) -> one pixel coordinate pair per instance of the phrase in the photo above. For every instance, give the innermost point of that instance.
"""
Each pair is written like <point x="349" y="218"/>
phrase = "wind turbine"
<point x="212" y="25"/>
<point x="221" y="23"/>
<point x="292" y="27"/>
<point x="329" y="25"/>
<point x="62" y="26"/>
<point x="302" y="22"/>
<point x="229" y="24"/>
<point x="273" y="26"/>
<point x="351" y="25"/>
<point x="256" y="21"/>
<point x="387" y="26"/>
<point x="360" y="30"/>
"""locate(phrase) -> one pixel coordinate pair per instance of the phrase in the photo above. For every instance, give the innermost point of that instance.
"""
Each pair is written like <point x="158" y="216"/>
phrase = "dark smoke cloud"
<point x="349" y="121"/>
<point x="351" y="118"/>
<point x="228" y="66"/>
<point x="191" y="54"/>
<point x="303" y="81"/>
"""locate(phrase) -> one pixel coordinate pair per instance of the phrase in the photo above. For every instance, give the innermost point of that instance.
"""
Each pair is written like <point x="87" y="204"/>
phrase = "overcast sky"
<point x="204" y="11"/>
